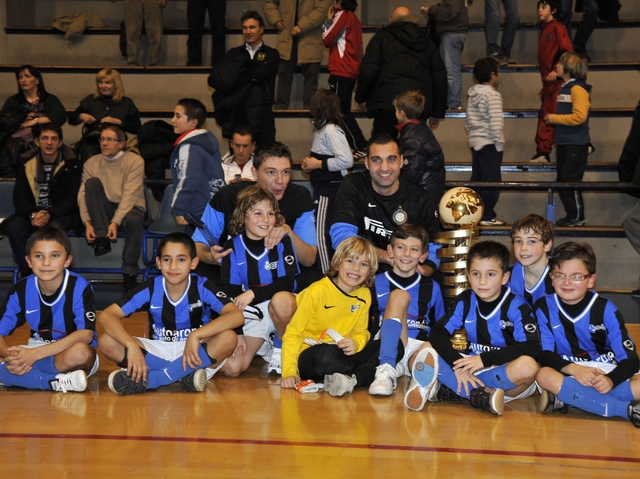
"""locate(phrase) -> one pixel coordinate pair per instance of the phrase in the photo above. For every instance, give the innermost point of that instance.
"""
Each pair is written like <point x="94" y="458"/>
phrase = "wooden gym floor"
<point x="249" y="427"/>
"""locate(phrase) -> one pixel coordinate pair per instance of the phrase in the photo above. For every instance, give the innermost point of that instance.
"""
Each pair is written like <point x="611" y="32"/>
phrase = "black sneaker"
<point x="446" y="394"/>
<point x="101" y="246"/>
<point x="121" y="383"/>
<point x="542" y="158"/>
<point x="196" y="381"/>
<point x="489" y="400"/>
<point x="633" y="411"/>
<point x="129" y="281"/>
<point x="570" y="222"/>
<point x="500" y="58"/>
<point x="550" y="403"/>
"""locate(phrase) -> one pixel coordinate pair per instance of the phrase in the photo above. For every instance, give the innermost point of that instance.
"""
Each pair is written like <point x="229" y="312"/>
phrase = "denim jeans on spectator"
<point x="587" y="24"/>
<point x="492" y="25"/>
<point x="450" y="50"/>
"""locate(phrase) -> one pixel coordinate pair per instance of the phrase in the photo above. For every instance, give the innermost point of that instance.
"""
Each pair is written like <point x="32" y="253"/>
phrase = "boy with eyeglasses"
<point x="588" y="359"/>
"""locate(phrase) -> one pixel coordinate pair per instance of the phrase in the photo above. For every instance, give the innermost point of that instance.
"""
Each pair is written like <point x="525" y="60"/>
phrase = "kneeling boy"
<point x="190" y="320"/>
<point x="502" y="334"/>
<point x="59" y="307"/>
<point x="588" y="359"/>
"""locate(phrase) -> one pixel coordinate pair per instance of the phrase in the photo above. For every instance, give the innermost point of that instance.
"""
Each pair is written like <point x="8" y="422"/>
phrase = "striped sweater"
<point x="484" y="121"/>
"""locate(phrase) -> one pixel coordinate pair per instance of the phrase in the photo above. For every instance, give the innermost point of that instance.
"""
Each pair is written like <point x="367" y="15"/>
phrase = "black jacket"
<point x="423" y="159"/>
<point x="398" y="58"/>
<point x="242" y="82"/>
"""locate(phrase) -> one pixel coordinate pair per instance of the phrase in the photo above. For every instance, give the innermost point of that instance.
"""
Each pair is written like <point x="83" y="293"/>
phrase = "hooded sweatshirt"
<point x="484" y="122"/>
<point x="196" y="169"/>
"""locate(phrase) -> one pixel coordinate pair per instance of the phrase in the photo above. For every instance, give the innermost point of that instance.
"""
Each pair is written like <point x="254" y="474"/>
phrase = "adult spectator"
<point x="149" y="12"/>
<point x="398" y="58"/>
<point x="238" y="163"/>
<point x="244" y="81"/>
<point x="21" y="112"/>
<point x="107" y="105"/>
<point x="629" y="170"/>
<point x="299" y="23"/>
<point x="111" y="199"/>
<point x="45" y="192"/>
<point x="272" y="168"/>
<point x="586" y="25"/>
<point x="196" y="12"/>
<point x="502" y="52"/>
<point x="375" y="202"/>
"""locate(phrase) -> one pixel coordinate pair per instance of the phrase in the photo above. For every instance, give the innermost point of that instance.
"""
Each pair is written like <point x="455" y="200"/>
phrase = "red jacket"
<point x="343" y="38"/>
<point x="553" y="42"/>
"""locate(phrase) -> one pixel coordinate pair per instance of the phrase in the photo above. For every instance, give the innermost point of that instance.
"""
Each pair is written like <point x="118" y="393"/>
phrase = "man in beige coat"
<point x="299" y="42"/>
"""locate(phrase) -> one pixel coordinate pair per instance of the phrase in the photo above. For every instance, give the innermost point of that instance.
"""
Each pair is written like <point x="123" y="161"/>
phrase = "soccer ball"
<point x="460" y="208"/>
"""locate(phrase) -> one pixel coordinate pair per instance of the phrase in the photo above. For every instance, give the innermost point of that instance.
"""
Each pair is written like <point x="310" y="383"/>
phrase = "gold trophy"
<point x="460" y="211"/>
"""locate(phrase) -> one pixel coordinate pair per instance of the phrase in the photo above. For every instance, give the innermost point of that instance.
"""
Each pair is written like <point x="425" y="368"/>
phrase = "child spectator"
<point x="423" y="157"/>
<point x="532" y="238"/>
<point x="485" y="126"/>
<point x="339" y="301"/>
<point x="502" y="334"/>
<point x="342" y="35"/>
<point x="588" y="359"/>
<point x="196" y="167"/>
<point x="190" y="323"/>
<point x="572" y="132"/>
<point x="327" y="164"/>
<point x="408" y="304"/>
<point x="452" y="24"/>
<point x="553" y="41"/>
<point x="260" y="280"/>
<point x="59" y="307"/>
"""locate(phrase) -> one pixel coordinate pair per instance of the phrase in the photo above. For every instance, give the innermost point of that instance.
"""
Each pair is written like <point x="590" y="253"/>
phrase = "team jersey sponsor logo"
<point x="269" y="266"/>
<point x="530" y="328"/>
<point x="171" y="335"/>
<point x="609" y="358"/>
<point x="355" y="307"/>
<point x="505" y="324"/>
<point x="90" y="315"/>
<point x="628" y="344"/>
<point x="376" y="227"/>
<point x="221" y="294"/>
<point x="476" y="348"/>
<point x="31" y="311"/>
<point x="289" y="259"/>
<point x="371" y="205"/>
<point x="596" y="327"/>
<point x="399" y="216"/>
<point x="329" y="307"/>
<point x="380" y="295"/>
<point x="417" y="324"/>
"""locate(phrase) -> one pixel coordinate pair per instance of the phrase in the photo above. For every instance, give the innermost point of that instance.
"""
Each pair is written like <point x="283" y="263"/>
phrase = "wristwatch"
<point x="32" y="215"/>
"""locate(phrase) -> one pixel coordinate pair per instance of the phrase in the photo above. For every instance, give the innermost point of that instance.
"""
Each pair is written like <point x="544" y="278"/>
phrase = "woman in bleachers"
<point x="106" y="105"/>
<point x="21" y="112"/>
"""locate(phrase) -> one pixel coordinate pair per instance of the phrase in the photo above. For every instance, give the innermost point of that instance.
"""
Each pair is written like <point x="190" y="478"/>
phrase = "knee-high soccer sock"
<point x="173" y="371"/>
<point x="34" y="379"/>
<point x="389" y="335"/>
<point x="46" y="365"/>
<point x="623" y="392"/>
<point x="447" y="377"/>
<point x="277" y="342"/>
<point x="590" y="400"/>
<point x="497" y="378"/>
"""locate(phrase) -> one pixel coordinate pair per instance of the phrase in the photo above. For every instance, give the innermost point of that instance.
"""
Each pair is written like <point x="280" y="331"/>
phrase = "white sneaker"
<point x="73" y="381"/>
<point x="424" y="375"/>
<point x="275" y="364"/>
<point x="385" y="381"/>
<point x="339" y="384"/>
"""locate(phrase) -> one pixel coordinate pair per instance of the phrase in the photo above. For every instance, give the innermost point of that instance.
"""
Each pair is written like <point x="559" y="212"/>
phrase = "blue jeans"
<point x="587" y="24"/>
<point x="492" y="25"/>
<point x="450" y="50"/>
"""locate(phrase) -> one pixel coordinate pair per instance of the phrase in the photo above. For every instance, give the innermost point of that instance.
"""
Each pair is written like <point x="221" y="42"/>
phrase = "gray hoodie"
<point x="484" y="121"/>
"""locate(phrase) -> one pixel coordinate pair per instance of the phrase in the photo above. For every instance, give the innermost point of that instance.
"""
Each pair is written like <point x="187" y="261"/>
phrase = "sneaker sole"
<point x="335" y="386"/>
<point x="110" y="381"/>
<point x="199" y="381"/>
<point x="497" y="402"/>
<point x="424" y="376"/>
<point x="545" y="405"/>
<point x="380" y="391"/>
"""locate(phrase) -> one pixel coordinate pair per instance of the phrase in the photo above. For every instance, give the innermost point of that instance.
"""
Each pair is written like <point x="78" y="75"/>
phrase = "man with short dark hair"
<point x="245" y="81"/>
<point x="237" y="164"/>
<point x="45" y="192"/>
<point x="375" y="202"/>
<point x="111" y="198"/>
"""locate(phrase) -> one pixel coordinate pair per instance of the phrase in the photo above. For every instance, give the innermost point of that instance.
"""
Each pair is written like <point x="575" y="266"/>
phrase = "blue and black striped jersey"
<point x="71" y="308"/>
<point x="425" y="306"/>
<point x="597" y="334"/>
<point x="170" y="320"/>
<point x="542" y="288"/>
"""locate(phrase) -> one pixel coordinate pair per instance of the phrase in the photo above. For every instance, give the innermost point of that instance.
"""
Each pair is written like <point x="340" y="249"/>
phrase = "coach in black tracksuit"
<point x="245" y="81"/>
